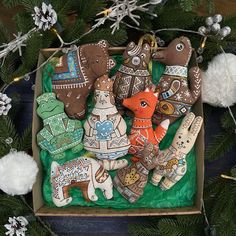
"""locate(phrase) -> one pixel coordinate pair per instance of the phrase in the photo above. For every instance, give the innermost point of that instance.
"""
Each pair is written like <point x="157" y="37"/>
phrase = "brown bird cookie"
<point x="178" y="88"/>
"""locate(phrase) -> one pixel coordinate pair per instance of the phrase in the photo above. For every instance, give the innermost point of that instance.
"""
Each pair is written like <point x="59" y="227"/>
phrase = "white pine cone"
<point x="45" y="17"/>
<point x="5" y="104"/>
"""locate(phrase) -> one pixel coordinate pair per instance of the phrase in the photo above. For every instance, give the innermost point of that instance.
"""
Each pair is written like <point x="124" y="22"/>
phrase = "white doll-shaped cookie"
<point x="172" y="164"/>
<point x="105" y="129"/>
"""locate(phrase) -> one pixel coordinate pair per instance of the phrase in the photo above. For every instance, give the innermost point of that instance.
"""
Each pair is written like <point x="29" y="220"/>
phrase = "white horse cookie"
<point x="83" y="172"/>
<point x="172" y="164"/>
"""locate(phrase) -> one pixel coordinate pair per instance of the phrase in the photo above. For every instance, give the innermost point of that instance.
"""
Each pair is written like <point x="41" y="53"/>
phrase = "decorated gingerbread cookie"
<point x="133" y="75"/>
<point x="172" y="164"/>
<point x="105" y="129"/>
<point x="59" y="132"/>
<point x="131" y="180"/>
<point x="178" y="88"/>
<point x="84" y="173"/>
<point x="75" y="74"/>
<point x="143" y="105"/>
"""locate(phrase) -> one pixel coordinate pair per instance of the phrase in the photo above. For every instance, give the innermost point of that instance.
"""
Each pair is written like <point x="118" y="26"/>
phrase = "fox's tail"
<point x="161" y="130"/>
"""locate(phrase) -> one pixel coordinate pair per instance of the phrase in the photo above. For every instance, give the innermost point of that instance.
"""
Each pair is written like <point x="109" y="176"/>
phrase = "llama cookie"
<point x="75" y="74"/>
<point x="133" y="75"/>
<point x="143" y="105"/>
<point x="172" y="164"/>
<point x="84" y="173"/>
<point x="105" y="129"/>
<point x="178" y="88"/>
<point x="131" y="180"/>
<point x="59" y="132"/>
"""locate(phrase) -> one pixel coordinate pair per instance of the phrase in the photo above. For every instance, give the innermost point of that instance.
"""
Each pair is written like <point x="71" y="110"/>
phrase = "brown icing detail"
<point x="176" y="96"/>
<point x="131" y="180"/>
<point x="101" y="175"/>
<point x="133" y="76"/>
<point x="82" y="185"/>
<point x="93" y="62"/>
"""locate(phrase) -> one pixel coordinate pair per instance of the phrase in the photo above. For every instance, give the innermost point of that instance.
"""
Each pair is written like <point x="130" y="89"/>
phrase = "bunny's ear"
<point x="196" y="126"/>
<point x="187" y="121"/>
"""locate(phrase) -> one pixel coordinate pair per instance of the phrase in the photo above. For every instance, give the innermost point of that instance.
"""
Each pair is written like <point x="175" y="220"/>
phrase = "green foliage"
<point x="119" y="37"/>
<point x="15" y="206"/>
<point x="4" y="37"/>
<point x="224" y="141"/>
<point x="11" y="3"/>
<point x="188" y="5"/>
<point x="221" y="144"/>
<point x="142" y="229"/>
<point x="87" y="9"/>
<point x="7" y="129"/>
<point x="220" y="201"/>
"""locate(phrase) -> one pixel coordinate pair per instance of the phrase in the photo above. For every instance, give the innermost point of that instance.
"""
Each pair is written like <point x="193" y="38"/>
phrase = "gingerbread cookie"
<point x="75" y="74"/>
<point x="178" y="88"/>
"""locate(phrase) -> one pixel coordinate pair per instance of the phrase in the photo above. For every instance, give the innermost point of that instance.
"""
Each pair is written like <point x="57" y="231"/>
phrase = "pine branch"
<point x="141" y="229"/>
<point x="25" y="141"/>
<point x="24" y="22"/>
<point x="221" y="144"/>
<point x="4" y="37"/>
<point x="118" y="38"/>
<point x="175" y="18"/>
<point x="7" y="129"/>
<point x="87" y="9"/>
<point x="233" y="171"/>
<point x="11" y="3"/>
<point x="16" y="206"/>
<point x="30" y="4"/>
<point x="8" y="68"/>
<point x="74" y="31"/>
<point x="210" y="6"/>
<point x="226" y="119"/>
<point x="186" y="5"/>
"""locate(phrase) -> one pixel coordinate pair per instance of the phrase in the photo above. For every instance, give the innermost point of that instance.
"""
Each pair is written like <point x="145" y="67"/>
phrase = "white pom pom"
<point x="18" y="173"/>
<point x="219" y="81"/>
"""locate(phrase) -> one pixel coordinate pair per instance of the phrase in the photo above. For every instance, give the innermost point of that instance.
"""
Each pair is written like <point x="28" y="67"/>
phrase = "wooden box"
<point x="41" y="209"/>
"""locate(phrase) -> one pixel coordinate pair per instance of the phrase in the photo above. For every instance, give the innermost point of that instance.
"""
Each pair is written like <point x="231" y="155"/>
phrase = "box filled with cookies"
<point x="118" y="131"/>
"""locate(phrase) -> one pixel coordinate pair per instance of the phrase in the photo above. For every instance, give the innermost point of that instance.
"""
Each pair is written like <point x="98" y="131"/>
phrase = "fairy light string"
<point x="47" y="23"/>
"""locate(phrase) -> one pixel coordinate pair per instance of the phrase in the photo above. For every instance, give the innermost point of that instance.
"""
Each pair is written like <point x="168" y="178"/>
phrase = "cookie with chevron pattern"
<point x="133" y="75"/>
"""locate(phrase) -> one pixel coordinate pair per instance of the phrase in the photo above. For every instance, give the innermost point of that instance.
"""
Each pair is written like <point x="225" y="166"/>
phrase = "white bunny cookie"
<point x="172" y="164"/>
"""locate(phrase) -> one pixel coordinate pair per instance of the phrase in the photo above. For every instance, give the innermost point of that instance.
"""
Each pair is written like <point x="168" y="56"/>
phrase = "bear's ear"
<point x="131" y="45"/>
<point x="103" y="43"/>
<point x="146" y="47"/>
<point x="111" y="63"/>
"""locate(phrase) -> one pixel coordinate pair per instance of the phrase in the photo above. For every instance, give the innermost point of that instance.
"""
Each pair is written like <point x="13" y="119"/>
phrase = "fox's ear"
<point x="147" y="90"/>
<point x="156" y="94"/>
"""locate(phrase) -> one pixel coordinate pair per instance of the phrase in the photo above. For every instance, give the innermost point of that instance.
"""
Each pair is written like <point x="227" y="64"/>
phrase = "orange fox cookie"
<point x="143" y="105"/>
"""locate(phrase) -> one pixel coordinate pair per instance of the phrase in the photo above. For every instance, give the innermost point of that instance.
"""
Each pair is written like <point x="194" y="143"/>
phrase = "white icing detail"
<point x="181" y="71"/>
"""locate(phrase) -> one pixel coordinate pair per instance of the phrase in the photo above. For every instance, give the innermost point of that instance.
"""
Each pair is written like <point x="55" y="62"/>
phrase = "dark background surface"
<point x="104" y="226"/>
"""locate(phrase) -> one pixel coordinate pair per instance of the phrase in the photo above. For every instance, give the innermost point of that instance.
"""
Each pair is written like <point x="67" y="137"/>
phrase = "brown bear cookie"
<point x="178" y="88"/>
<point x="133" y="75"/>
<point x="75" y="74"/>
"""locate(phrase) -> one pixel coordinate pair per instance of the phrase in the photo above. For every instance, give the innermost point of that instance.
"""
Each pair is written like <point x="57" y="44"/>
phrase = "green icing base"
<point x="182" y="194"/>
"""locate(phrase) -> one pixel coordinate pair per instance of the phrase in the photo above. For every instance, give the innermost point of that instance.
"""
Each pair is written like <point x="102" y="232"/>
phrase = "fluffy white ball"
<point x="219" y="81"/>
<point x="18" y="173"/>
